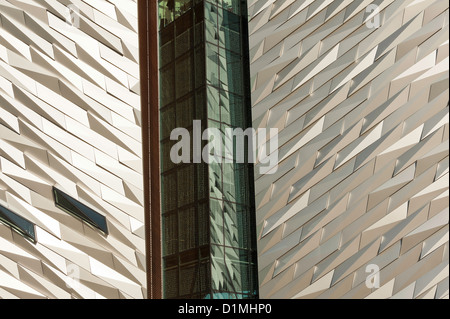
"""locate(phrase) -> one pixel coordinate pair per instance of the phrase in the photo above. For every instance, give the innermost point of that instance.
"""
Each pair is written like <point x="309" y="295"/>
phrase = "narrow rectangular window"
<point x="18" y="224"/>
<point x="79" y="210"/>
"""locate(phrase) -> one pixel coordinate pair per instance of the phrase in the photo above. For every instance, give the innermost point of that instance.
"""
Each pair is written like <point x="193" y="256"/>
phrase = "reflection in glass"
<point x="209" y="235"/>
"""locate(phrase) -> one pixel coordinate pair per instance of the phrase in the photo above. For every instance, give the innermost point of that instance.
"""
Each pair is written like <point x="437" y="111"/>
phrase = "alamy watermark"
<point x="73" y="274"/>
<point x="227" y="147"/>
<point x="374" y="14"/>
<point x="72" y="16"/>
<point x="373" y="279"/>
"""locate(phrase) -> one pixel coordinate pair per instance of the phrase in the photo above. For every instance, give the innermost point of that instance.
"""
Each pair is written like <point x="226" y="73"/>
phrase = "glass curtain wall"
<point x="209" y="240"/>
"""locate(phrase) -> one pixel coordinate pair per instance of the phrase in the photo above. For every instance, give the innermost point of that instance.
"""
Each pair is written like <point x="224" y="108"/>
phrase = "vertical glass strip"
<point x="232" y="211"/>
<point x="209" y="240"/>
<point x="183" y="186"/>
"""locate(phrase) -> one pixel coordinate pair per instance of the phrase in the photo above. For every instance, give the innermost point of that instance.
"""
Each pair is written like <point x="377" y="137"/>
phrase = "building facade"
<point x="95" y="96"/>
<point x="71" y="122"/>
<point x="358" y="207"/>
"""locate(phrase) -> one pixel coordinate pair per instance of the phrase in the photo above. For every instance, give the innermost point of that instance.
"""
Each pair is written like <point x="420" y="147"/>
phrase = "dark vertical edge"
<point x="245" y="38"/>
<point x="155" y="150"/>
<point x="148" y="52"/>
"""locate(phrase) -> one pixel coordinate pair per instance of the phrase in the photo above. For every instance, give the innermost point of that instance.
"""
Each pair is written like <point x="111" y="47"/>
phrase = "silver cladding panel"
<point x="70" y="118"/>
<point x="359" y="93"/>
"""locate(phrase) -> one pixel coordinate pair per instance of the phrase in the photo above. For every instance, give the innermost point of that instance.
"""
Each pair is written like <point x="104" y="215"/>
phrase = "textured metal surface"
<point x="70" y="118"/>
<point x="362" y="113"/>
